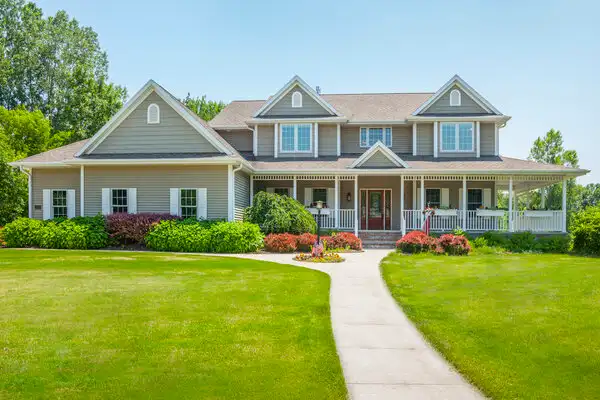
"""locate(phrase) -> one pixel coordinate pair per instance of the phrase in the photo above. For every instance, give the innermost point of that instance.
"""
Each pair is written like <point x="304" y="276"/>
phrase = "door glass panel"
<point x="375" y="204"/>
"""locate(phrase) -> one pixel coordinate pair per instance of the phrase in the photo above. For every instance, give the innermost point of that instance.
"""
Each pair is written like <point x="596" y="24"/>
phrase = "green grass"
<point x="517" y="326"/>
<point x="117" y="325"/>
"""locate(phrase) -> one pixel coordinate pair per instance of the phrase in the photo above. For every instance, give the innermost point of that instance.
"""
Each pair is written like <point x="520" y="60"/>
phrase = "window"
<point x="370" y="136"/>
<point x="433" y="198"/>
<point x="296" y="100"/>
<point x="474" y="199"/>
<point x="119" y="201"/>
<point x="457" y="136"/>
<point x="455" y="98"/>
<point x="188" y="203"/>
<point x="59" y="203"/>
<point x="320" y="195"/>
<point x="153" y="114"/>
<point x="296" y="138"/>
<point x="282" y="191"/>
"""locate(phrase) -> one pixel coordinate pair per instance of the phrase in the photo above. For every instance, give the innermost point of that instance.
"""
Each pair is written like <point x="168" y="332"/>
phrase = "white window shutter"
<point x="270" y="190"/>
<point x="460" y="197"/>
<point x="202" y="203"/>
<point x="308" y="196"/>
<point x="331" y="197"/>
<point x="71" y="203"/>
<point x="487" y="198"/>
<point x="47" y="204"/>
<point x="174" y="201"/>
<point x="105" y="201"/>
<point x="445" y="197"/>
<point x="132" y="200"/>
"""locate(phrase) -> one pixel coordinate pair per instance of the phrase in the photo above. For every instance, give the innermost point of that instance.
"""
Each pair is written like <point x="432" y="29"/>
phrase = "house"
<point x="375" y="159"/>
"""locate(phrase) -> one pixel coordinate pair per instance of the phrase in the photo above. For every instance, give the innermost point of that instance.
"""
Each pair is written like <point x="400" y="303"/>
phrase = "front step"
<point x="379" y="240"/>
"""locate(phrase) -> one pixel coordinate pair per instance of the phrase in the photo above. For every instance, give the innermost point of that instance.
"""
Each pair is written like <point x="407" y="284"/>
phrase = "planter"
<point x="446" y="213"/>
<point x="491" y="213"/>
<point x="538" y="214"/>
<point x="324" y="211"/>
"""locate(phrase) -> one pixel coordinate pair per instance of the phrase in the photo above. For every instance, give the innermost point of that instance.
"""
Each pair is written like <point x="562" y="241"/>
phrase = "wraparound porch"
<point x="355" y="202"/>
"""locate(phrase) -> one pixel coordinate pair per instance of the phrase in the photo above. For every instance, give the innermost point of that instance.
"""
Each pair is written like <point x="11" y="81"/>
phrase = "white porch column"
<point x="543" y="198"/>
<point x="414" y="140"/>
<point x="477" y="137"/>
<point x="316" y="139"/>
<point x="339" y="140"/>
<point x="255" y="140"/>
<point x="356" y="205"/>
<point x="435" y="139"/>
<point x="30" y="193"/>
<point x="251" y="189"/>
<point x="402" y="222"/>
<point x="82" y="191"/>
<point x="564" y="206"/>
<point x="295" y="188"/>
<point x="510" y="205"/>
<point x="230" y="193"/>
<point x="422" y="205"/>
<point x="464" y="203"/>
<point x="275" y="140"/>
<point x="336" y="210"/>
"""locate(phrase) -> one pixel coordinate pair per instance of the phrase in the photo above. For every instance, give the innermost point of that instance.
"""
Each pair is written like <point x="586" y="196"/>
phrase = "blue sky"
<point x="536" y="61"/>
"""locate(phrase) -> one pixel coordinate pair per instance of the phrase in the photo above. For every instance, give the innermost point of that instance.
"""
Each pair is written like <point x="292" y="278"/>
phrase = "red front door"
<point x="375" y="209"/>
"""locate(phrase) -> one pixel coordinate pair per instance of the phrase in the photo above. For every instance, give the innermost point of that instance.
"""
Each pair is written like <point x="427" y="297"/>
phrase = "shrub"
<point x="585" y="229"/>
<point x="2" y="242"/>
<point x="560" y="244"/>
<point x="522" y="242"/>
<point x="416" y="242"/>
<point x="281" y="243"/>
<point x="305" y="241"/>
<point x="480" y="242"/>
<point x="460" y="232"/>
<point x="132" y="228"/>
<point x="204" y="237"/>
<point x="454" y="245"/>
<point x="23" y="232"/>
<point x="496" y="239"/>
<point x="344" y="240"/>
<point x="279" y="214"/>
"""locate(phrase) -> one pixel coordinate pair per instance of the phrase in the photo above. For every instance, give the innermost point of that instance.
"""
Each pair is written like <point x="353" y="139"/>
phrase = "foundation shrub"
<point x="585" y="228"/>
<point x="416" y="242"/>
<point x="279" y="214"/>
<point x="281" y="242"/>
<point x="127" y="228"/>
<point x="454" y="245"/>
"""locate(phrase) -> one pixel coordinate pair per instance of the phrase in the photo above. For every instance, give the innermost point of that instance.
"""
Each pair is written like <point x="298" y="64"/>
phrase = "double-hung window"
<point x="59" y="203"/>
<point x="457" y="136"/>
<point x="282" y="191"/>
<point x="474" y="199"/>
<point x="188" y="203"/>
<point x="370" y="136"/>
<point x="119" y="201"/>
<point x="296" y="138"/>
<point x="433" y="198"/>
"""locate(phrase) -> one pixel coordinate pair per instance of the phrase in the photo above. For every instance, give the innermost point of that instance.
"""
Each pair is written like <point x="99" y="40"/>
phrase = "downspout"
<point x="29" y="191"/>
<point x="233" y="190"/>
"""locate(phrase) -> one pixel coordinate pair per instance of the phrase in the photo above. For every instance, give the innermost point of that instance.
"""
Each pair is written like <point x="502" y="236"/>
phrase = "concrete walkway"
<point x="383" y="355"/>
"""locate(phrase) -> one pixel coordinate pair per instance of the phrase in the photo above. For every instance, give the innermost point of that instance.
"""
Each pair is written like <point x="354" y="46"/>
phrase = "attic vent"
<point x="153" y="114"/>
<point x="297" y="100"/>
<point x="455" y="98"/>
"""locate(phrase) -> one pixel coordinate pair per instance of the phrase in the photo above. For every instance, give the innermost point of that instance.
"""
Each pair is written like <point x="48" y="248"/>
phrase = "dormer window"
<point x="296" y="100"/>
<point x="455" y="98"/>
<point x="153" y="114"/>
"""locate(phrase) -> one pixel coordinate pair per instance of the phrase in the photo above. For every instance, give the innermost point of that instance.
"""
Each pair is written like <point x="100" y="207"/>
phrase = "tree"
<point x="56" y="66"/>
<point x="26" y="133"/>
<point x="13" y="196"/>
<point x="206" y="109"/>
<point x="590" y="195"/>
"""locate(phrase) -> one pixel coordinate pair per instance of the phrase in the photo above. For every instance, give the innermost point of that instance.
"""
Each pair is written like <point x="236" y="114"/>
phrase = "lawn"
<point x="119" y="325"/>
<point x="517" y="326"/>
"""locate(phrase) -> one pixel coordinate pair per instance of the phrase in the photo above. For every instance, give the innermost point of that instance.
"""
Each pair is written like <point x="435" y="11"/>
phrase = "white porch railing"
<point x="346" y="219"/>
<point x="537" y="221"/>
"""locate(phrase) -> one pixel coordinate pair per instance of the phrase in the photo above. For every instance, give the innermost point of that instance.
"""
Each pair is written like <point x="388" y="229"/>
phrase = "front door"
<point x="375" y="209"/>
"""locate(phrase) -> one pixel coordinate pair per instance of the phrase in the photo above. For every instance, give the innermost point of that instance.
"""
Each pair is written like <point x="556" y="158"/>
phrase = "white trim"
<point x="255" y="140"/>
<point x="564" y="205"/>
<point x="296" y="99"/>
<point x="339" y="140"/>
<point x="135" y="101"/>
<point x="511" y="227"/>
<point x="295" y="81"/>
<point x="251" y="190"/>
<point x="356" y="209"/>
<point x="457" y="137"/>
<point x="478" y="138"/>
<point x="465" y="195"/>
<point x="458" y="102"/>
<point x="82" y="191"/>
<point x="368" y="189"/>
<point x="280" y="136"/>
<point x="295" y="188"/>
<point x="316" y="134"/>
<point x="29" y="194"/>
<point x="469" y="91"/>
<point x="386" y="151"/>
<point x="230" y="193"/>
<point x="502" y="119"/>
<point x="368" y="128"/>
<point x="336" y="205"/>
<point x="297" y="120"/>
<point x="435" y="138"/>
<point x="414" y="133"/>
<point x="149" y="120"/>
<point x="402" y="223"/>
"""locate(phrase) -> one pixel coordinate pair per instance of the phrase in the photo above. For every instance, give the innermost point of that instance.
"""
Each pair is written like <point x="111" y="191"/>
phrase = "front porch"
<point x="395" y="203"/>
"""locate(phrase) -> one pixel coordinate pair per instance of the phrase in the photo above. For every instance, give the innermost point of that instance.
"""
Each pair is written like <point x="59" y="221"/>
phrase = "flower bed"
<point x="289" y="243"/>
<point x="324" y="258"/>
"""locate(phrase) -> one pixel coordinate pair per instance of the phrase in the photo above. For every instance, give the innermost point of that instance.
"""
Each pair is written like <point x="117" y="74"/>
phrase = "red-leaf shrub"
<point x="344" y="240"/>
<point x="132" y="228"/>
<point x="454" y="245"/>
<point x="305" y="241"/>
<point x="416" y="242"/>
<point x="281" y="242"/>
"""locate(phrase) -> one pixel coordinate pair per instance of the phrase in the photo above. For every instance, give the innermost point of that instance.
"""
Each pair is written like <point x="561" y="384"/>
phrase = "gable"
<point x="310" y="107"/>
<point x="378" y="160"/>
<point x="379" y="156"/>
<point x="442" y="105"/>
<point x="172" y="135"/>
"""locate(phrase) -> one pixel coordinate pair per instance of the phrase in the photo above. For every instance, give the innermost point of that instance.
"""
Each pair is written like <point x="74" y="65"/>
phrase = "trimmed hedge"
<point x="127" y="228"/>
<point x="205" y="237"/>
<point x="279" y="214"/>
<point x="76" y="233"/>
<point x="585" y="229"/>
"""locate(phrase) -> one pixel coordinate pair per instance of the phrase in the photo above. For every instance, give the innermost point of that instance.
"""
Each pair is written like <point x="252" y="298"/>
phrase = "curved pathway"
<point x="383" y="355"/>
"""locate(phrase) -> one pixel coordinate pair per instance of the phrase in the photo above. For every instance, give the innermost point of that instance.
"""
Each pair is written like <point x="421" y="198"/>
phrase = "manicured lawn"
<point x="518" y="326"/>
<point x="117" y="325"/>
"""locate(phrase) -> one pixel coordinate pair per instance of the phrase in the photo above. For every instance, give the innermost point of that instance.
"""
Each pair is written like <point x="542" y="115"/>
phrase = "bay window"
<point x="457" y="137"/>
<point x="296" y="138"/>
<point x="370" y="136"/>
